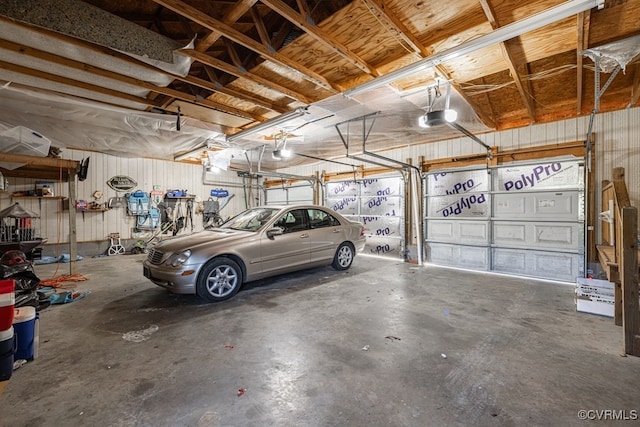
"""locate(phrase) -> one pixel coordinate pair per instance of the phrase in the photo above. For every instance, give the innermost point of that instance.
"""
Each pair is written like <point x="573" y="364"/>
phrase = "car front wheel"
<point x="344" y="257"/>
<point x="219" y="280"/>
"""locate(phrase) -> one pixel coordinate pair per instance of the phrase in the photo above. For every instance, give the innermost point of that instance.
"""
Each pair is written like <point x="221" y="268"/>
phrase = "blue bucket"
<point x="7" y="348"/>
<point x="24" y="325"/>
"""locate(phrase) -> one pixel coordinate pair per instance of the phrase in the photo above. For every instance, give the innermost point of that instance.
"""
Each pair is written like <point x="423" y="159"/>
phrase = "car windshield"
<point x="250" y="220"/>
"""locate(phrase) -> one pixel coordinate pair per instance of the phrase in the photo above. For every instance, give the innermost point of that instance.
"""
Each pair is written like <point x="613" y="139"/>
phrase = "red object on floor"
<point x="7" y="302"/>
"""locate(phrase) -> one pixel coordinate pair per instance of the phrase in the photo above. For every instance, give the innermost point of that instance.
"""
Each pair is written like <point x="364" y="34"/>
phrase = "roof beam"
<point x="508" y="57"/>
<point x="583" y="25"/>
<point x="241" y="72"/>
<point x="306" y="24"/>
<point x="236" y="12"/>
<point x="232" y="34"/>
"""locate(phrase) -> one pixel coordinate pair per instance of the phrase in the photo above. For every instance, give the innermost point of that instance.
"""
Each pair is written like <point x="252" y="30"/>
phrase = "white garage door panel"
<point x="559" y="236"/>
<point x="476" y="232"/>
<point x="276" y="196"/>
<point x="388" y="247"/>
<point x="474" y="205"/>
<point x="551" y="265"/>
<point x="562" y="206"/>
<point x="302" y="194"/>
<point x="382" y="225"/>
<point x="381" y="205"/>
<point x="471" y="257"/>
<point x="344" y="206"/>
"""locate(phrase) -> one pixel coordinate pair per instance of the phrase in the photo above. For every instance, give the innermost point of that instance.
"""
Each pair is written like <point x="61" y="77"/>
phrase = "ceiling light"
<point x="298" y="112"/>
<point x="433" y="118"/>
<point x="281" y="154"/>
<point x="502" y="34"/>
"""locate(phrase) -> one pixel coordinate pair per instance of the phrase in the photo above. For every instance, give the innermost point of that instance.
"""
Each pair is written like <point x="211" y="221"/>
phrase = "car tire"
<point x="344" y="256"/>
<point x="219" y="280"/>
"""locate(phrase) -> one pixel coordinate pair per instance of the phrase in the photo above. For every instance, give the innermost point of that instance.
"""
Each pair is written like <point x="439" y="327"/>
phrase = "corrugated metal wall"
<point x="96" y="226"/>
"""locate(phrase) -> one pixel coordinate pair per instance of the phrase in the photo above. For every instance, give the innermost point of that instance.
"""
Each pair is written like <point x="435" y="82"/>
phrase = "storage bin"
<point x="7" y="348"/>
<point x="25" y="328"/>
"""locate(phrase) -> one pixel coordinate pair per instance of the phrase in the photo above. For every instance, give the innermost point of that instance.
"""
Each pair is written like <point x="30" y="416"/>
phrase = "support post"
<point x="629" y="276"/>
<point x="73" y="243"/>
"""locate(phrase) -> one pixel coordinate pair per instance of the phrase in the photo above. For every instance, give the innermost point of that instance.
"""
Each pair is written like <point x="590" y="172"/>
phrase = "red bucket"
<point x="7" y="301"/>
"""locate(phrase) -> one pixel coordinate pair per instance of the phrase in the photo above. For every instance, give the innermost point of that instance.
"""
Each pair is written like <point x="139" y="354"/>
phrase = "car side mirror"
<point x="275" y="231"/>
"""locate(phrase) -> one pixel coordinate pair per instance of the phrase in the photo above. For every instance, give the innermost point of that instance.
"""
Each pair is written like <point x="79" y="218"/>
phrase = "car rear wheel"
<point x="344" y="256"/>
<point x="219" y="280"/>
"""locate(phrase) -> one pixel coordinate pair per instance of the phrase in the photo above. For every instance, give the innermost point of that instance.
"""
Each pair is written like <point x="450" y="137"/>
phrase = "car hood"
<point x="202" y="239"/>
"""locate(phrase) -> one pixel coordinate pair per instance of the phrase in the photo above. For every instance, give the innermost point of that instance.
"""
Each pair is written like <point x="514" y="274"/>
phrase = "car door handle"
<point x="304" y="236"/>
<point x="337" y="230"/>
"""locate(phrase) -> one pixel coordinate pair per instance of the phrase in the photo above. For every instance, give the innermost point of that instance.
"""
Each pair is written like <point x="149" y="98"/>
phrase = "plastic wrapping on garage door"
<point x="525" y="219"/>
<point x="379" y="204"/>
<point x="289" y="195"/>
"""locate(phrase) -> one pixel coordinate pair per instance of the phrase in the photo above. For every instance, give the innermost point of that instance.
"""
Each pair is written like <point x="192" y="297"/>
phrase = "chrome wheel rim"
<point x="222" y="281"/>
<point x="345" y="256"/>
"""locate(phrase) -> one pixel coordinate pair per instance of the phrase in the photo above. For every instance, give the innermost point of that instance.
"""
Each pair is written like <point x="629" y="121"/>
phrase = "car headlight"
<point x="177" y="259"/>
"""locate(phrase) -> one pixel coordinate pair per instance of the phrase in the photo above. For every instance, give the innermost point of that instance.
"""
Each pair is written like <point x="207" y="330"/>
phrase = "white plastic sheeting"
<point x="612" y="55"/>
<point x="87" y="125"/>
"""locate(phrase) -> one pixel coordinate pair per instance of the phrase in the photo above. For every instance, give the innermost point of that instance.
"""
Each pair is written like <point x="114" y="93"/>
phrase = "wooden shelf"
<point x="38" y="197"/>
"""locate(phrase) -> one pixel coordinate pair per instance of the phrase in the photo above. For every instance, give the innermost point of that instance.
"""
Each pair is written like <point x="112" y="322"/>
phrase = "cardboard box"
<point x="595" y="297"/>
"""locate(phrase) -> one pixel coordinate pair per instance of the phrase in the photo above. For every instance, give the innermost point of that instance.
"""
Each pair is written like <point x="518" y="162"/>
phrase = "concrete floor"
<point x="131" y="354"/>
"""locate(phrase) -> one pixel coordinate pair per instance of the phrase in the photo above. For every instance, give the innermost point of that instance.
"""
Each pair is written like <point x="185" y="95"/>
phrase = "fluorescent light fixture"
<point x="502" y="34"/>
<point x="433" y="118"/>
<point x="276" y="121"/>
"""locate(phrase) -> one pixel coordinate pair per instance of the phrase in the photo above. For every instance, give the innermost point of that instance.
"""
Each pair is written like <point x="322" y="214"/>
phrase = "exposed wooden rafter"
<point x="306" y="24"/>
<point x="583" y="43"/>
<point x="232" y="34"/>
<point x="511" y="64"/>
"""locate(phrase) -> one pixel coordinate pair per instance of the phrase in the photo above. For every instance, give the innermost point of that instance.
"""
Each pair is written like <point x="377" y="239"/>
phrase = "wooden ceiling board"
<point x="619" y="19"/>
<point x="246" y="85"/>
<point x="320" y="58"/>
<point x="483" y="62"/>
<point x="424" y="17"/>
<point x="509" y="11"/>
<point x="359" y="29"/>
<point x="548" y="40"/>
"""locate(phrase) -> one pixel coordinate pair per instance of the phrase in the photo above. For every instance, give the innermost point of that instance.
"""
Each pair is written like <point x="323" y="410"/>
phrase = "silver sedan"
<point x="258" y="243"/>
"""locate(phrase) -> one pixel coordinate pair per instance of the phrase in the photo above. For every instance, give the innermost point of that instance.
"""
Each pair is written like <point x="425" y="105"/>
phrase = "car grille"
<point x="155" y="256"/>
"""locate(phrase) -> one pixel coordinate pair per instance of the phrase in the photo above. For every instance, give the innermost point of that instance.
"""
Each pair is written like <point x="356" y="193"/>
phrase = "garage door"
<point x="379" y="204"/>
<point x="525" y="219"/>
<point x="289" y="195"/>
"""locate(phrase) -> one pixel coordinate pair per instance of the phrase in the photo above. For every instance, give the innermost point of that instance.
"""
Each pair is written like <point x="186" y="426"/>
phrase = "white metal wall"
<point x="525" y="219"/>
<point x="96" y="226"/>
<point x="379" y="204"/>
